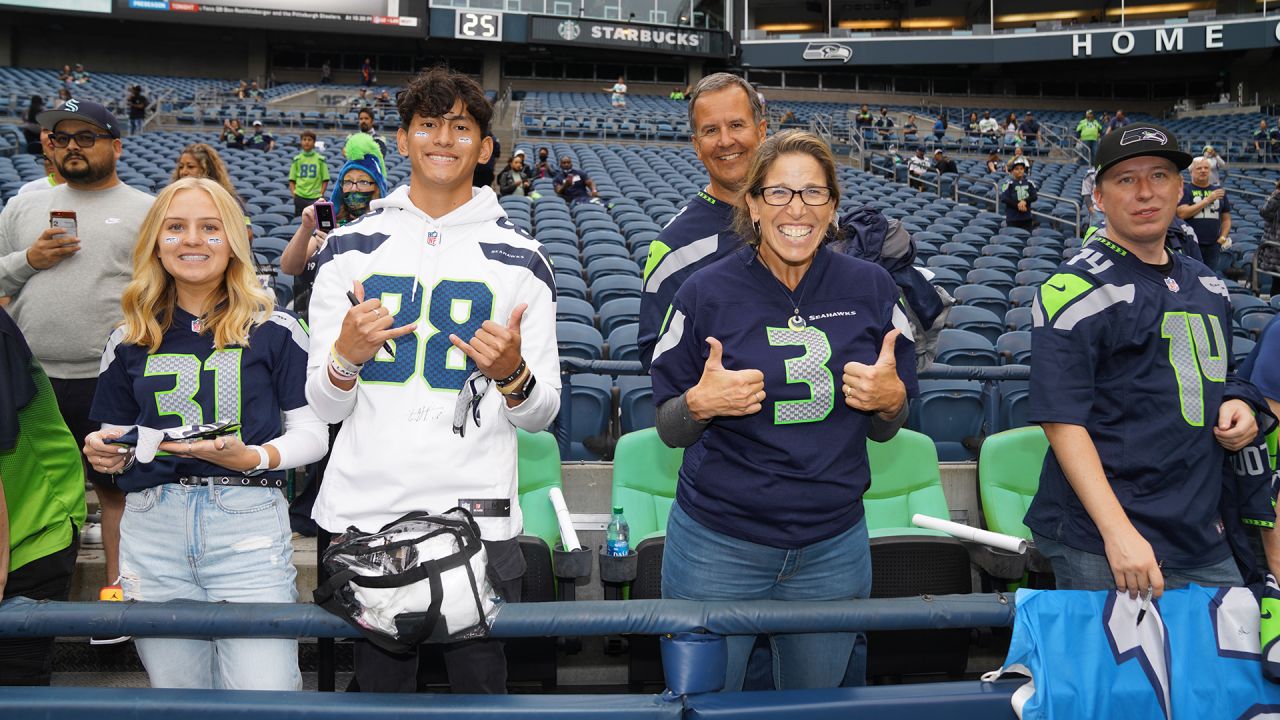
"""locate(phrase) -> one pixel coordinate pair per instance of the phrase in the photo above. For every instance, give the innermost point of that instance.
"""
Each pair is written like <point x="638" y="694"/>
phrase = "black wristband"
<point x="503" y="382"/>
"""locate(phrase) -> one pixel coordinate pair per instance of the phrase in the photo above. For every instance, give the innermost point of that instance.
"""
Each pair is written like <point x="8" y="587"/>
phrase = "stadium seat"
<point x="1014" y="347"/>
<point x="1030" y="278"/>
<point x="991" y="278"/>
<point x="1252" y="324"/>
<point x="965" y="348"/>
<point x="1240" y="348"/>
<point x="612" y="287"/>
<point x="592" y="398"/>
<point x="1022" y="296"/>
<point x="622" y="343"/>
<point x="950" y="412"/>
<point x="978" y="320"/>
<point x="984" y="297"/>
<point x="574" y="310"/>
<point x="908" y="561"/>
<point x="579" y="341"/>
<point x="1018" y="318"/>
<point x="1008" y="477"/>
<point x="618" y="312"/>
<point x="635" y="402"/>
<point x="570" y="286"/>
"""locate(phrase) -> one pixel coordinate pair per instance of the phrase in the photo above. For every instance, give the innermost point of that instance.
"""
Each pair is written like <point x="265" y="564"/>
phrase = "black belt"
<point x="234" y="481"/>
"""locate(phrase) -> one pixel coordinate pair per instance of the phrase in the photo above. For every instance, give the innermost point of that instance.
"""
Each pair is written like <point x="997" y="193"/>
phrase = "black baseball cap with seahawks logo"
<point x="76" y="109"/>
<point x="1139" y="140"/>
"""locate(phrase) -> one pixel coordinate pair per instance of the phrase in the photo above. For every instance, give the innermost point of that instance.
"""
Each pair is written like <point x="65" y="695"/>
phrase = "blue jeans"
<point x="702" y="564"/>
<point x="1092" y="146"/>
<point x="213" y="544"/>
<point x="1080" y="570"/>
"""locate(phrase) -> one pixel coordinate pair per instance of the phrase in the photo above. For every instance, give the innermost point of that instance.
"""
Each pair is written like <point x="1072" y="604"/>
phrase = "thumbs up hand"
<point x="876" y="388"/>
<point x="495" y="347"/>
<point x="724" y="392"/>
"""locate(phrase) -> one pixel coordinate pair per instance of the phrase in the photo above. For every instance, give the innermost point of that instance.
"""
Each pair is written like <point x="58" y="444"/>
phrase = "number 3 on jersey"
<point x="457" y="307"/>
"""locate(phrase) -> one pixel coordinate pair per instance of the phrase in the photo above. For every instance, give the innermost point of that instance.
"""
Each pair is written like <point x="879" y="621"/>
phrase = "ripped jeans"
<point x="213" y="544"/>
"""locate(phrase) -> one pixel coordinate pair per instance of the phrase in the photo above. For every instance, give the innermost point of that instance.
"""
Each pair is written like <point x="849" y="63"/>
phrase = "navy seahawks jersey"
<point x="1197" y="654"/>
<point x="1208" y="222"/>
<point x="188" y="382"/>
<point x="1141" y="361"/>
<point x="793" y="473"/>
<point x="697" y="236"/>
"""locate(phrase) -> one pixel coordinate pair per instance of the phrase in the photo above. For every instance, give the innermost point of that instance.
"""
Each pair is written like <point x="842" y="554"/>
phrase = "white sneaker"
<point x="91" y="535"/>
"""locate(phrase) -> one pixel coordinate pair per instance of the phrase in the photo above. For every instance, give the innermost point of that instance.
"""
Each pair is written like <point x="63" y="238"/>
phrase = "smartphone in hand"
<point x="65" y="219"/>
<point x="324" y="216"/>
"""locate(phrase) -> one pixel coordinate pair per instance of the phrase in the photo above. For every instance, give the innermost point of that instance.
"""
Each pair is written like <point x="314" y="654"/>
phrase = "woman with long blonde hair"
<point x="202" y="346"/>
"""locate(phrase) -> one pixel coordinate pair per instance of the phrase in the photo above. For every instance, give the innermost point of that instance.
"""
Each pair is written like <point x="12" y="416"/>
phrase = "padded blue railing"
<point x="960" y="700"/>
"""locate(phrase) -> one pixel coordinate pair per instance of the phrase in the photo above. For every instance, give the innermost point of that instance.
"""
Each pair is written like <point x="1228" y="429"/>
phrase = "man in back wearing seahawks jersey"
<point x="727" y="124"/>
<point x="1132" y="386"/>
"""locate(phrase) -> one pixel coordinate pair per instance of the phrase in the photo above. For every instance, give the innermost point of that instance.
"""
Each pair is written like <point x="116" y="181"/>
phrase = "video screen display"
<point x="85" y="6"/>
<point x="371" y="17"/>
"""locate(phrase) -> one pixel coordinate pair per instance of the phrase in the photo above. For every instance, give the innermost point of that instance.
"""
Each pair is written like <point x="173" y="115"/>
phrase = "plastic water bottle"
<point x="617" y="535"/>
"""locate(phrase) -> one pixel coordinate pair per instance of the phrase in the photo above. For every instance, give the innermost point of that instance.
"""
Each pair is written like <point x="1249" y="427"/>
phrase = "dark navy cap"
<point x="86" y="110"/>
<point x="1140" y="140"/>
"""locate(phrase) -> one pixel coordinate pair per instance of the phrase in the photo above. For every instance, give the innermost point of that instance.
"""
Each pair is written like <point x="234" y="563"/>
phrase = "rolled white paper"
<point x="964" y="532"/>
<point x="568" y="536"/>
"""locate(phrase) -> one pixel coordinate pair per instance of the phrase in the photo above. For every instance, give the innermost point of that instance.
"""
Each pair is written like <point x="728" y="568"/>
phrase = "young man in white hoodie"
<point x="463" y="299"/>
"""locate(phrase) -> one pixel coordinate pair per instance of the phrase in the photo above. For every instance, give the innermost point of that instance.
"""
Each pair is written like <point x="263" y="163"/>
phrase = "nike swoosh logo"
<point x="1266" y="615"/>
<point x="1059" y="288"/>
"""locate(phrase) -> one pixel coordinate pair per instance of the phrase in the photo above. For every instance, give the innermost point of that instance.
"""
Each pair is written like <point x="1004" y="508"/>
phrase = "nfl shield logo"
<point x="195" y="325"/>
<point x="1171" y="284"/>
<point x="433" y="237"/>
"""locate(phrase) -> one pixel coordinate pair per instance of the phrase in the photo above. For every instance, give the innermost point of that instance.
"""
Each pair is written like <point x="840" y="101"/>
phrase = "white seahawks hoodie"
<point x="397" y="451"/>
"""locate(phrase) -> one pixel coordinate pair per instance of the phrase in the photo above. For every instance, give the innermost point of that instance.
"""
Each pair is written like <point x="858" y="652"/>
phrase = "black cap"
<point x="76" y="109"/>
<point x="1139" y="140"/>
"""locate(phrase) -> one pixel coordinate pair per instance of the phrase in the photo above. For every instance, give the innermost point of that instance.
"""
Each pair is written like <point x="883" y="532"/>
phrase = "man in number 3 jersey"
<point x="463" y="299"/>
<point x="1132" y="386"/>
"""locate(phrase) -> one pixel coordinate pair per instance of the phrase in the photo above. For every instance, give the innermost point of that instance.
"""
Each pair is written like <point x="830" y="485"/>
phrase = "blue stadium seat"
<point x="983" y="297"/>
<point x="592" y="398"/>
<point x="618" y="312"/>
<point x="612" y="287"/>
<point x="991" y="278"/>
<point x="579" y="341"/>
<point x="1018" y="318"/>
<point x="635" y="402"/>
<point x="570" y="286"/>
<point x="950" y="412"/>
<point x="576" y="311"/>
<point x="1015" y="404"/>
<point x="977" y="320"/>
<point x="1023" y="295"/>
<point x="1004" y="264"/>
<point x="622" y="342"/>
<point x="1014" y="347"/>
<point x="1031" y="278"/>
<point x="964" y="348"/>
<point x="946" y="278"/>
<point x="601" y="267"/>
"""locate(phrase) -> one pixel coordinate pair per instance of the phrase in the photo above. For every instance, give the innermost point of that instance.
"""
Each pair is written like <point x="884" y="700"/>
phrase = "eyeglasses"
<point x="779" y="195"/>
<point x="358" y="185"/>
<point x="84" y="139"/>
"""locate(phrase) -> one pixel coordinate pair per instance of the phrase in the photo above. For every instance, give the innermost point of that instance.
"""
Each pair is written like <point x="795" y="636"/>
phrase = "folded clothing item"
<point x="146" y="441"/>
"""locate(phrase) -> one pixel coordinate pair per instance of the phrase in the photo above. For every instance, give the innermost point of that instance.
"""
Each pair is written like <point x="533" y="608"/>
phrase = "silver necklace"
<point x="795" y="322"/>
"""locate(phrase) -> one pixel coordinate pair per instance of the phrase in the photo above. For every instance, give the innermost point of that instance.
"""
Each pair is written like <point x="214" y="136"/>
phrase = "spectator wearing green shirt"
<point x="1089" y="130"/>
<point x="41" y="500"/>
<point x="308" y="175"/>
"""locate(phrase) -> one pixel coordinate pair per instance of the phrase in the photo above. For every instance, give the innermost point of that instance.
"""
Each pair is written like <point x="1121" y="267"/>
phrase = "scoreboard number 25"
<point x="478" y="25"/>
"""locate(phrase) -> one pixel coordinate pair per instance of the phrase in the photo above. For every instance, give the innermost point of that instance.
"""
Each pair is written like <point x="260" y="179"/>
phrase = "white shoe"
<point x="91" y="535"/>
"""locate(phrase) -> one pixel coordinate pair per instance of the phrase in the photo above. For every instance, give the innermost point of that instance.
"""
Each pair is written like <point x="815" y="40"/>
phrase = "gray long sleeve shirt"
<point x="67" y="311"/>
